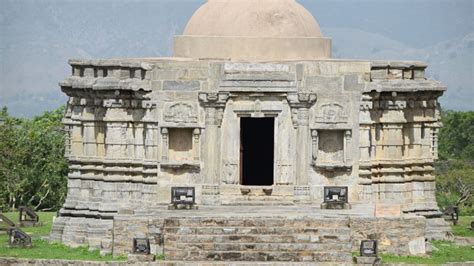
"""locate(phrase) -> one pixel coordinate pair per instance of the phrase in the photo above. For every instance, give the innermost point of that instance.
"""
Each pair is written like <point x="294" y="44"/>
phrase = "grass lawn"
<point x="462" y="228"/>
<point x="43" y="249"/>
<point x="443" y="251"/>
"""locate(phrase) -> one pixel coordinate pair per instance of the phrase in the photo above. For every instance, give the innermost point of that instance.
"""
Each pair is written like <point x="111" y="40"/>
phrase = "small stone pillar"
<point x="300" y="104"/>
<point x="214" y="104"/>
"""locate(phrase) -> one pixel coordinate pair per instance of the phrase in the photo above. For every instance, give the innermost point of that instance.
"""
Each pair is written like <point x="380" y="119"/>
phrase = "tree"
<point x="455" y="171"/>
<point x="33" y="169"/>
<point x="456" y="137"/>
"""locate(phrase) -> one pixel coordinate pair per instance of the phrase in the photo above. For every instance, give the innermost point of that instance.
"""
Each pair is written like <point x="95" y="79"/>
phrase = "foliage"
<point x="456" y="138"/>
<point x="451" y="177"/>
<point x="44" y="250"/>
<point x="455" y="170"/>
<point x="33" y="169"/>
<point x="443" y="252"/>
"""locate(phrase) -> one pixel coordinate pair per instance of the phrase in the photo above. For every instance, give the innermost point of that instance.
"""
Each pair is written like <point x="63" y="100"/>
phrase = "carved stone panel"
<point x="181" y="113"/>
<point x="332" y="113"/>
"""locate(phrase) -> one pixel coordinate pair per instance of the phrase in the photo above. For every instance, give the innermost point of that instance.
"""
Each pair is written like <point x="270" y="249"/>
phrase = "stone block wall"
<point x="400" y="236"/>
<point x="269" y="239"/>
<point x="371" y="126"/>
<point x="399" y="122"/>
<point x="81" y="231"/>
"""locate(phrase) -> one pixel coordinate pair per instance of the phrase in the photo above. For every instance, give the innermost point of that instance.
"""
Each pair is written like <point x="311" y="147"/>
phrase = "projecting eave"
<point x="398" y="64"/>
<point x="405" y="86"/>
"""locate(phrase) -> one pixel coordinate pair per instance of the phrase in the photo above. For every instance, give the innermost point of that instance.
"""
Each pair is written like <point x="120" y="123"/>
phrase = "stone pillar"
<point x="211" y="147"/>
<point x="302" y="146"/>
<point x="300" y="104"/>
<point x="196" y="148"/>
<point x="214" y="104"/>
<point x="348" y="147"/>
<point x="165" y="144"/>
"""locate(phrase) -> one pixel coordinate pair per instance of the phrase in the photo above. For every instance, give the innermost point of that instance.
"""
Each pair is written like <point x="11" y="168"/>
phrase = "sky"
<point x="37" y="37"/>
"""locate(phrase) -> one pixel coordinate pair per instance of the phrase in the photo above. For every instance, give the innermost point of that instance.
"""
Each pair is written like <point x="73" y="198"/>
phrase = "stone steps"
<point x="258" y="239"/>
<point x="257" y="200"/>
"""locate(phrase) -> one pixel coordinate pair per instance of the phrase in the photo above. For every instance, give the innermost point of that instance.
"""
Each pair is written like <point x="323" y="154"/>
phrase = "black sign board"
<point x="336" y="194"/>
<point x="183" y="195"/>
<point x="368" y="248"/>
<point x="141" y="246"/>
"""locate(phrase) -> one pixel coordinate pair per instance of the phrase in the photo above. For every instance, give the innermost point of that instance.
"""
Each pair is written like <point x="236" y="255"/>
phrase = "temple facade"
<point x="250" y="111"/>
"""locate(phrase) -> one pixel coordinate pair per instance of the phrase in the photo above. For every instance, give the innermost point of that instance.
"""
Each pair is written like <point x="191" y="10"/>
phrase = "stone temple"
<point x="293" y="156"/>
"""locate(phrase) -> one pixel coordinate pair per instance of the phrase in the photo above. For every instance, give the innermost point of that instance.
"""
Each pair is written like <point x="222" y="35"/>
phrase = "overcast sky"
<point x="37" y="37"/>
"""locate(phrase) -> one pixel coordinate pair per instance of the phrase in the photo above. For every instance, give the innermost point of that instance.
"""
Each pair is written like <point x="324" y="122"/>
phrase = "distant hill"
<point x="38" y="37"/>
<point x="449" y="61"/>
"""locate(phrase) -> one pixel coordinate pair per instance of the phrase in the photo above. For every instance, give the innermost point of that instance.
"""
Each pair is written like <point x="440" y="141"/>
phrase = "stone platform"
<point x="266" y="233"/>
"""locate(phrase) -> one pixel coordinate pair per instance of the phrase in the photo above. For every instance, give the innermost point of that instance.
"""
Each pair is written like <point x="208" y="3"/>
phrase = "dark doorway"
<point x="256" y="151"/>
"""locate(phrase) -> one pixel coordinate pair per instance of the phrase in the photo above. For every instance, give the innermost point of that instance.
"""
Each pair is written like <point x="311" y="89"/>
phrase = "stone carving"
<point x="332" y="113"/>
<point x="300" y="104"/>
<point x="214" y="104"/>
<point x="230" y="172"/>
<point x="181" y="113"/>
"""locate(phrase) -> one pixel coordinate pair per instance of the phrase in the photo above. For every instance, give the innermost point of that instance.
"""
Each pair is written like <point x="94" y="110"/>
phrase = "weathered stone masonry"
<point x="137" y="127"/>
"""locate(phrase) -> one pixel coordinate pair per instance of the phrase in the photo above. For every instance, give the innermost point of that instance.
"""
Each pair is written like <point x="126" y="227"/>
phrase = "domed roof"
<point x="252" y="18"/>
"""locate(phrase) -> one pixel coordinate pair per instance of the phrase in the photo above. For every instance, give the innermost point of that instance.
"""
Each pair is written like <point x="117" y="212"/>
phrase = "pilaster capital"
<point x="214" y="104"/>
<point x="213" y="99"/>
<point x="301" y="99"/>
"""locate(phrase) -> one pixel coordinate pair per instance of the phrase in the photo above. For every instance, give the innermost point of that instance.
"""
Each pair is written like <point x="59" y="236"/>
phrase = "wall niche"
<point x="331" y="149"/>
<point x="180" y="147"/>
<point x="180" y="144"/>
<point x="331" y="146"/>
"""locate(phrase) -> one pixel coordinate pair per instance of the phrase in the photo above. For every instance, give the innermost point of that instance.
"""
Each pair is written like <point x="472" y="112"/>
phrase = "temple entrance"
<point x="256" y="151"/>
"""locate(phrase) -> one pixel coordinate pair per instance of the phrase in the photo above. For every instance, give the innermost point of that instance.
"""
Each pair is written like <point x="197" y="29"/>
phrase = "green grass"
<point x="43" y="249"/>
<point x="462" y="228"/>
<point x="443" y="252"/>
